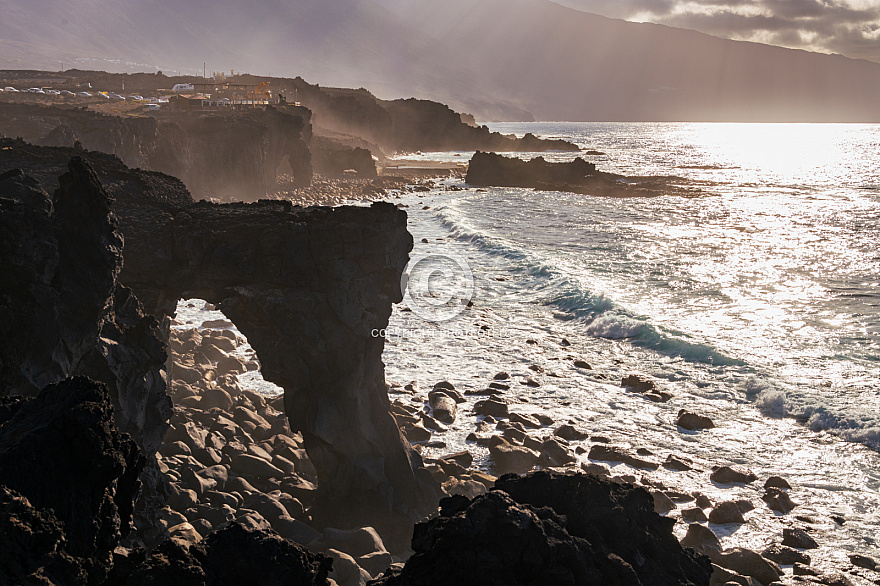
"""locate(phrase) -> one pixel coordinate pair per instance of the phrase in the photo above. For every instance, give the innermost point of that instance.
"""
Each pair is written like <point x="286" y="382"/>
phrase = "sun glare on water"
<point x="789" y="153"/>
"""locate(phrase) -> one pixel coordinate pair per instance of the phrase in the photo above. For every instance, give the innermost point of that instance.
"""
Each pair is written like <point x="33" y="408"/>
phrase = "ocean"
<point x="756" y="303"/>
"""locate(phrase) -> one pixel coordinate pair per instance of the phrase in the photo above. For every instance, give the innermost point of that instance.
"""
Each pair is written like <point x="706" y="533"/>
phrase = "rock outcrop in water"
<point x="577" y="176"/>
<point x="548" y="528"/>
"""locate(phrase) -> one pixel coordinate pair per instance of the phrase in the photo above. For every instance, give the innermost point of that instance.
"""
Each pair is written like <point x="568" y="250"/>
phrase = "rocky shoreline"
<point x="326" y="482"/>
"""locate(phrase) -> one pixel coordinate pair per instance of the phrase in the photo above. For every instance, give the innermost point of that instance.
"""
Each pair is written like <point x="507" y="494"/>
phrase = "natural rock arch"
<point x="308" y="288"/>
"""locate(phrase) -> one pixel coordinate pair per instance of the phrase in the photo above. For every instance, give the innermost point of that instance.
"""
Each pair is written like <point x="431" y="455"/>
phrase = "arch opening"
<point x="230" y="451"/>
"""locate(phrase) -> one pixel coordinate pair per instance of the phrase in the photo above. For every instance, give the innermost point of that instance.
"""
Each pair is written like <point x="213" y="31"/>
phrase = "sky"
<point x="848" y="27"/>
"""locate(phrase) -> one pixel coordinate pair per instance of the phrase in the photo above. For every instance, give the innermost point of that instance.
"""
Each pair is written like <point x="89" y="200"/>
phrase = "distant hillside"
<point x="497" y="59"/>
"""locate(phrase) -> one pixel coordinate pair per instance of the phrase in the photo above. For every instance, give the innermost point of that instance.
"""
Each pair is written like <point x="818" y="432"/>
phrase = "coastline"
<point x="561" y="405"/>
<point x="782" y="438"/>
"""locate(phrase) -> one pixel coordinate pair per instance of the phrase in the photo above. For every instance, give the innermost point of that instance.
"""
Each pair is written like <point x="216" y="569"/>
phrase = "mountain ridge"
<point x="496" y="59"/>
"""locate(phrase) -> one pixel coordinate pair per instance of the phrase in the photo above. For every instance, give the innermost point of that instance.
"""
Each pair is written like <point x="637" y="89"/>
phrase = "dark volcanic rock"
<point x="62" y="309"/>
<point x="497" y="170"/>
<point x="309" y="288"/>
<point x="233" y="555"/>
<point x="32" y="545"/>
<point x="793" y="537"/>
<point x="549" y="529"/>
<point x="728" y="475"/>
<point x="615" y="519"/>
<point x="577" y="176"/>
<point x="233" y="156"/>
<point x="62" y="452"/>
<point x="431" y="126"/>
<point x="778" y="500"/>
<point x="692" y="421"/>
<point x="58" y="269"/>
<point x="332" y="160"/>
<point x="782" y="554"/>
<point x="236" y="554"/>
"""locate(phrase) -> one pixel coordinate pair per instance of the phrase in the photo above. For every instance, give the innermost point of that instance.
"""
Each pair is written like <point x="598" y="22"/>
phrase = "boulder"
<point x="448" y="389"/>
<point x="219" y="473"/>
<point x="638" y="383"/>
<point x="247" y="465"/>
<point x="703" y="501"/>
<point x="355" y="542"/>
<point x="184" y="532"/>
<point x="726" y="512"/>
<point x="443" y="406"/>
<point x="466" y="487"/>
<point x="778" y="500"/>
<point x="748" y="563"/>
<point x="346" y="571"/>
<point x="571" y="433"/>
<point x="724" y="577"/>
<point x="728" y="475"/>
<point x="799" y="569"/>
<point x="677" y="463"/>
<point x="694" y="515"/>
<point x="662" y="503"/>
<point x="555" y="454"/>
<point x="702" y="540"/>
<point x="524" y="420"/>
<point x="859" y="561"/>
<point x="196" y="482"/>
<point x="416" y="433"/>
<point x="784" y="555"/>
<point x="793" y="537"/>
<point x="375" y="563"/>
<point x="777" y="482"/>
<point x="510" y="458"/>
<point x="491" y="407"/>
<point x="230" y="365"/>
<point x="216" y="397"/>
<point x="692" y="421"/>
<point x="607" y="453"/>
<point x="463" y="459"/>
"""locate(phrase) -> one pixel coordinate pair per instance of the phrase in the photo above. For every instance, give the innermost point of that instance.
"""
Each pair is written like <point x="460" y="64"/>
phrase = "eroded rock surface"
<point x="308" y="287"/>
<point x="61" y="451"/>
<point x="577" y="176"/>
<point x="548" y="528"/>
<point x="235" y="156"/>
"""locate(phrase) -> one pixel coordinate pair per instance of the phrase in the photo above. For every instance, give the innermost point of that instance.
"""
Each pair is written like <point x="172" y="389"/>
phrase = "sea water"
<point x="756" y="303"/>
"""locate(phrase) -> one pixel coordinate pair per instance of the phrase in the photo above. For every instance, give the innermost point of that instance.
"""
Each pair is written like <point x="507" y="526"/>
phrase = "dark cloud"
<point x="849" y="27"/>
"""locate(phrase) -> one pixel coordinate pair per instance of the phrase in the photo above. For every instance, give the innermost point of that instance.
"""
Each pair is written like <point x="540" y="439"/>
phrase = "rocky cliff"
<point x="234" y="157"/>
<point x="63" y="309"/>
<point x="308" y="287"/>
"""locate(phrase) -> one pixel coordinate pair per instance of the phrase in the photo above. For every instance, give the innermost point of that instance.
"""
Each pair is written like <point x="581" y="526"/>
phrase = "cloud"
<point x="849" y="27"/>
